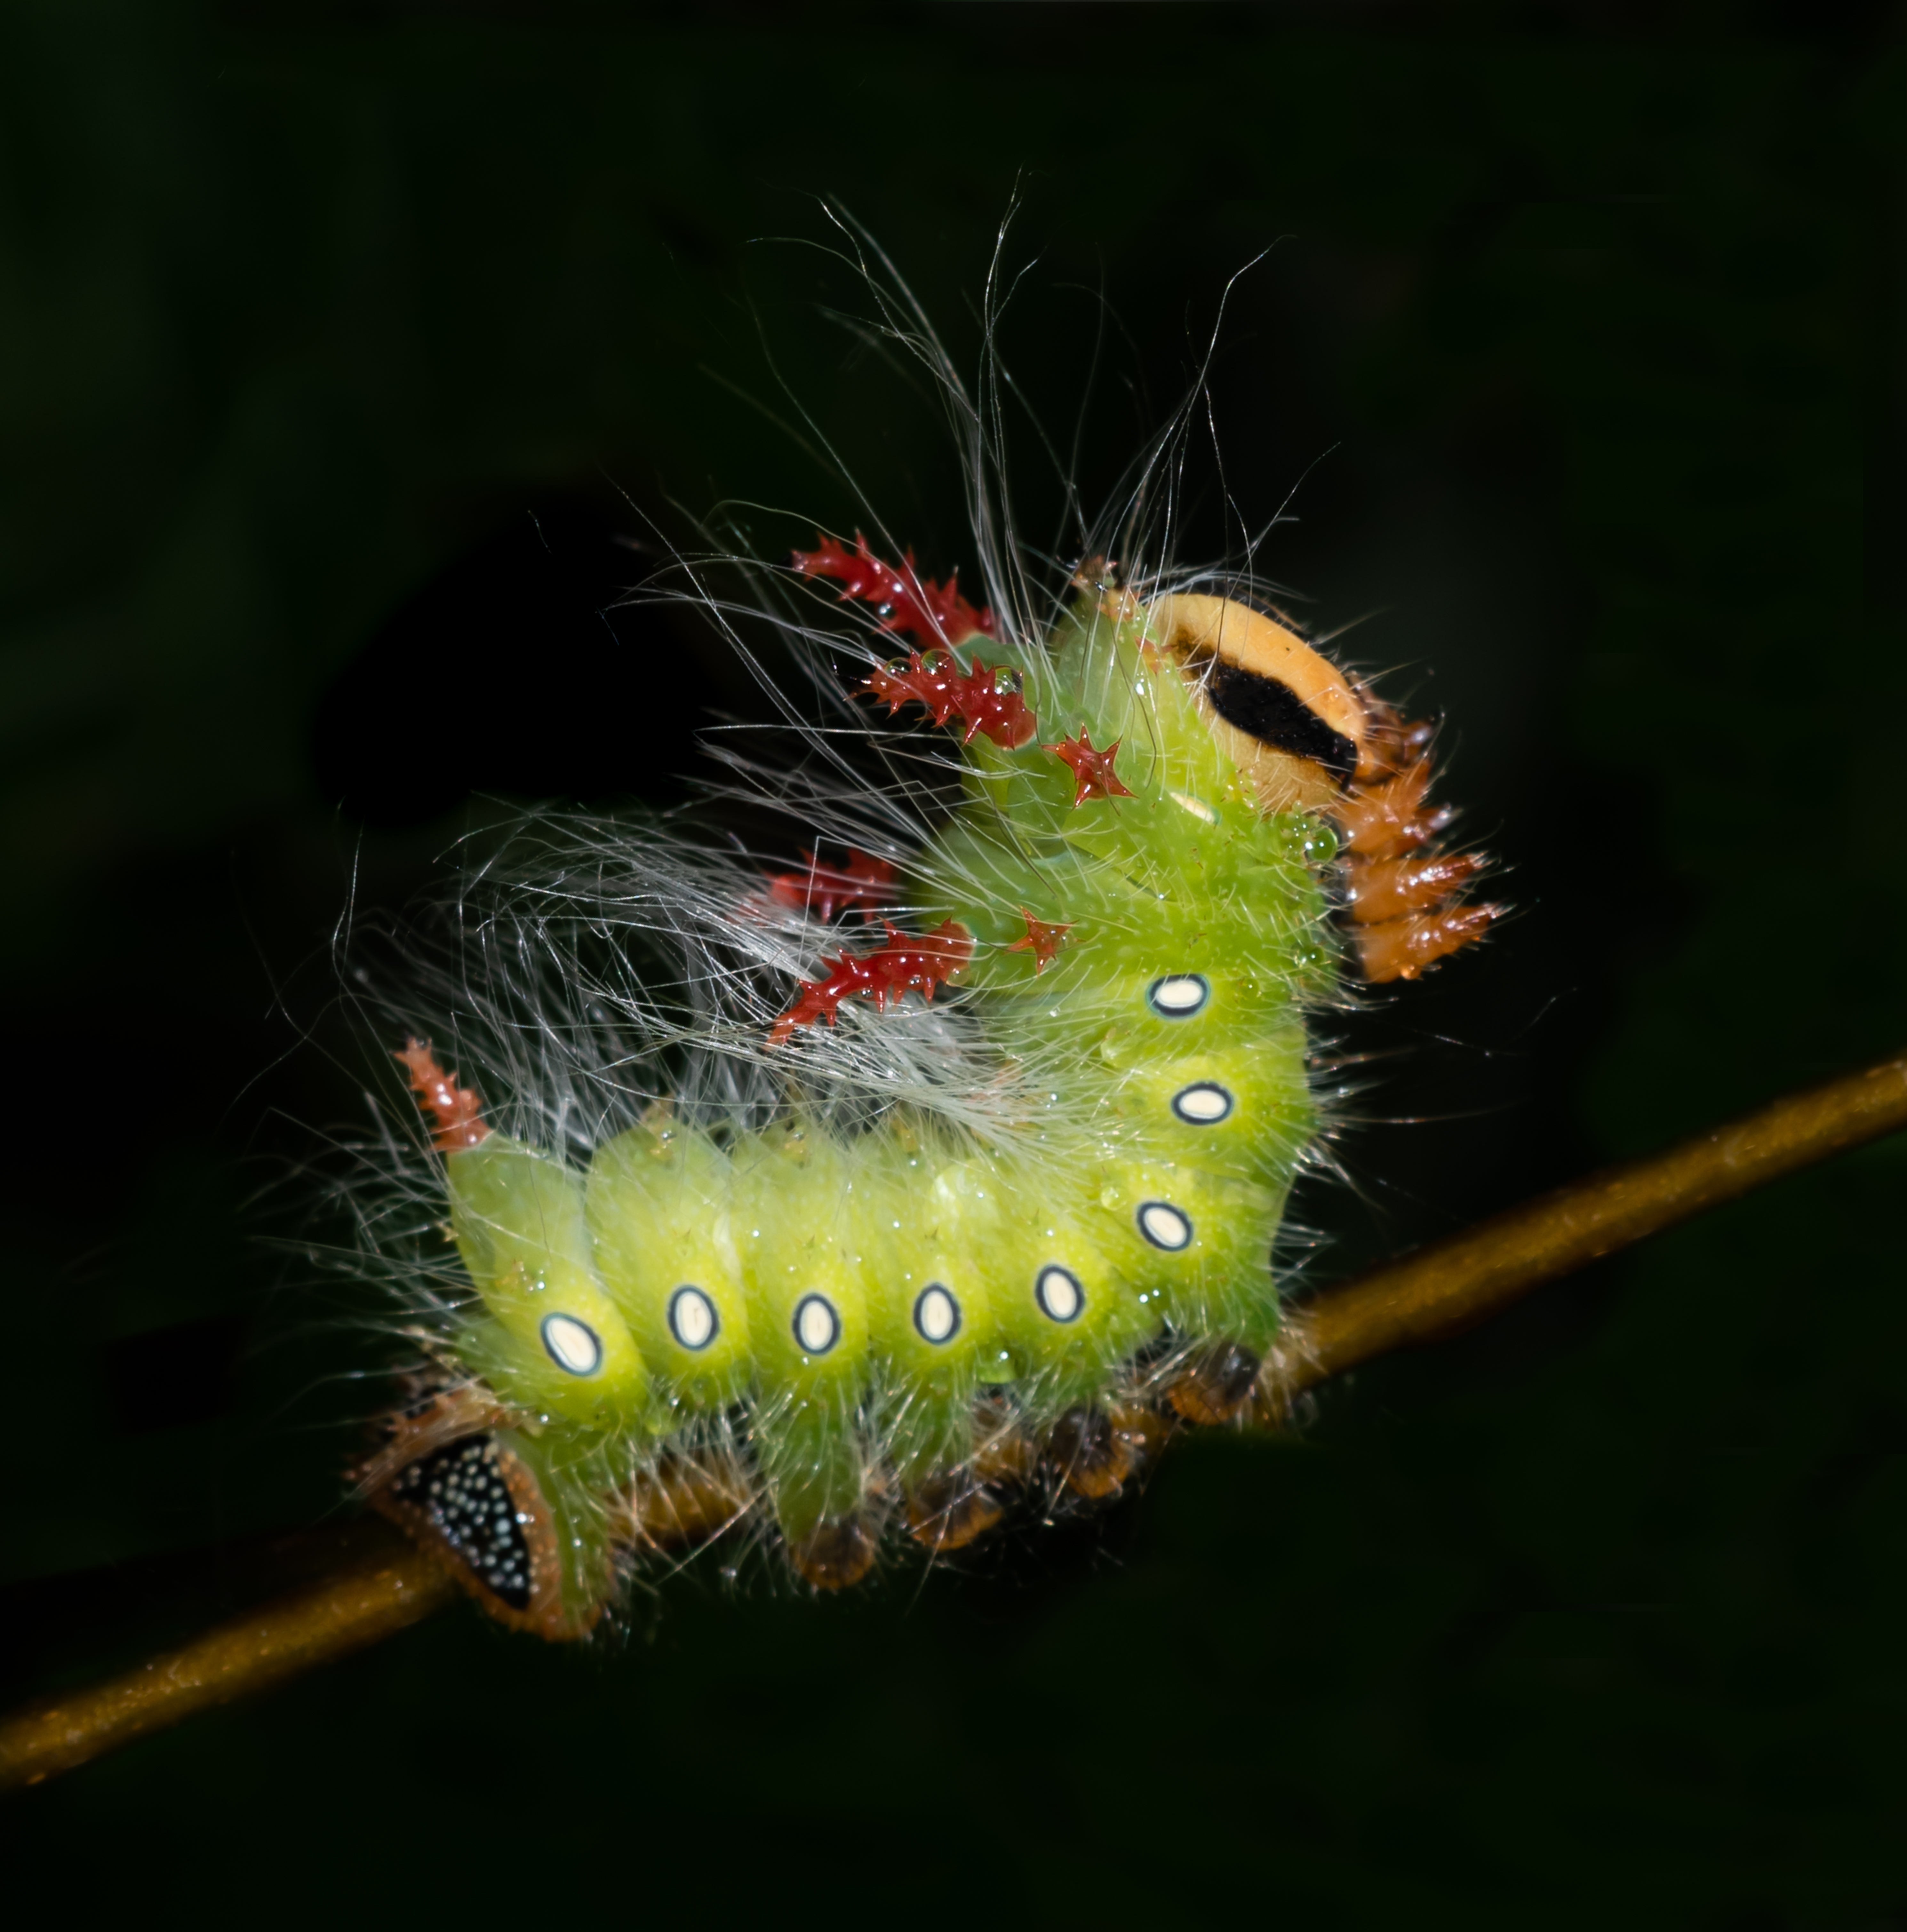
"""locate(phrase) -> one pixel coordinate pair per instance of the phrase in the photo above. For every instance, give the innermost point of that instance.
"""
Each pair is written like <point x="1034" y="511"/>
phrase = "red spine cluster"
<point x="925" y="962"/>
<point x="974" y="697"/>
<point x="909" y="604"/>
<point x="825" y="891"/>
<point x="912" y="605"/>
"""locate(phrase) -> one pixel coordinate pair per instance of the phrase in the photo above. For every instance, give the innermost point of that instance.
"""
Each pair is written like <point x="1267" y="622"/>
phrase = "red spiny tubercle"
<point x="910" y="604"/>
<point x="1043" y="940"/>
<point x="974" y="697"/>
<point x="926" y="961"/>
<point x="459" y="1111"/>
<point x="825" y="891"/>
<point x="1092" y="771"/>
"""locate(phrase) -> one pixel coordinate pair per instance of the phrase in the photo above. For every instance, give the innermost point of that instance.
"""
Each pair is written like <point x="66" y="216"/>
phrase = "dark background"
<point x="340" y="345"/>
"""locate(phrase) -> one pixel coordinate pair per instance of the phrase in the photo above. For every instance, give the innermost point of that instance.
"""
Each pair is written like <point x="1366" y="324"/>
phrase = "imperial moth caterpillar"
<point x="840" y="1199"/>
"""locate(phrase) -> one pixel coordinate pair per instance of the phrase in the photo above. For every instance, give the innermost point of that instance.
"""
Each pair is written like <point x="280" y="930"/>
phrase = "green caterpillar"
<point x="983" y="1199"/>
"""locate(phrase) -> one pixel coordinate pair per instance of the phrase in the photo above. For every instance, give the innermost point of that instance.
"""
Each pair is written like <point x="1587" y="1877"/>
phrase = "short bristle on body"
<point x="850" y="1242"/>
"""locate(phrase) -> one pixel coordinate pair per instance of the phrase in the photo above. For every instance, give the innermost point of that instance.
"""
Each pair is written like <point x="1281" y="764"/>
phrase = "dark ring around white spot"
<point x="1059" y="1294"/>
<point x="936" y="1314"/>
<point x="573" y="1346"/>
<point x="1177" y="996"/>
<point x="1203" y="1104"/>
<point x="693" y="1319"/>
<point x="1164" y="1225"/>
<point x="817" y="1325"/>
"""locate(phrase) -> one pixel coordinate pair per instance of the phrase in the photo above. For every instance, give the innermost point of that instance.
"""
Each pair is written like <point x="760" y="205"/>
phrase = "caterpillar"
<point x="839" y="1200"/>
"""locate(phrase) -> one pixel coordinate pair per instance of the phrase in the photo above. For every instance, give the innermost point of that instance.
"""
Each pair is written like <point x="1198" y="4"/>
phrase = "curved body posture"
<point x="1178" y="827"/>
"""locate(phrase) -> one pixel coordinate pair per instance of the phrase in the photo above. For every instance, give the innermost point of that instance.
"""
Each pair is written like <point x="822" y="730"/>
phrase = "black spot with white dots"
<point x="462" y="1490"/>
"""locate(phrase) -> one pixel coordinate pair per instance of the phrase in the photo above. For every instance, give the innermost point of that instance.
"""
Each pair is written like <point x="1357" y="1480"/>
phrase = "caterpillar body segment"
<point x="560" y="1342"/>
<point x="658" y="1201"/>
<point x="923" y="1221"/>
<point x="1072" y="1022"/>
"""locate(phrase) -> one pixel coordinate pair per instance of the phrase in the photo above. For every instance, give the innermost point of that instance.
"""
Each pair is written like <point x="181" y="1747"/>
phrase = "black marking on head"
<point x="1273" y="713"/>
<point x="460" y="1491"/>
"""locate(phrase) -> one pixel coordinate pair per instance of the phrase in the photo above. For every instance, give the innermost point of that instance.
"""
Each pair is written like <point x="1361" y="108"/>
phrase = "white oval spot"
<point x="1203" y="1104"/>
<point x="1179" y="996"/>
<point x="573" y="1344"/>
<point x="816" y="1326"/>
<point x="1164" y="1226"/>
<point x="936" y="1314"/>
<point x="693" y="1320"/>
<point x="1057" y="1291"/>
<point x="1196" y="807"/>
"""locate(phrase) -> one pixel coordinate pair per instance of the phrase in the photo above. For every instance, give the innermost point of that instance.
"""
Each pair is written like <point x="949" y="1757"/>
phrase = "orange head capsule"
<point x="1308" y="738"/>
<point x="1286" y="716"/>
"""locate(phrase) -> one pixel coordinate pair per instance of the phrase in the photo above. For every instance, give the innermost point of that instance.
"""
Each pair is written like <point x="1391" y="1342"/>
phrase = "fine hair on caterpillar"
<point x="836" y="1182"/>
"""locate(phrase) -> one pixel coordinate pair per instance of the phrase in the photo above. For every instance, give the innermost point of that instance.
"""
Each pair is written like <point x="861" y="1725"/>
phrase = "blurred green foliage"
<point x="1582" y="335"/>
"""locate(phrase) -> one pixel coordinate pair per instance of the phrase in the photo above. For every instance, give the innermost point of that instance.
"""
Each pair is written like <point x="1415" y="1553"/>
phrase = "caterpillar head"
<point x="1308" y="738"/>
<point x="1286" y="716"/>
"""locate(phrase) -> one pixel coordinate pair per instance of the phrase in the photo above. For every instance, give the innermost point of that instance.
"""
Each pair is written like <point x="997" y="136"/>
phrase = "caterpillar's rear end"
<point x="986" y="1195"/>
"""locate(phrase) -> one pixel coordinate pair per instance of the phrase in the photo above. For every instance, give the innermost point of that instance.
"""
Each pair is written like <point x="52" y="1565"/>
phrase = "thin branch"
<point x="1435" y="1291"/>
<point x="1427" y="1294"/>
<point x="395" y="1585"/>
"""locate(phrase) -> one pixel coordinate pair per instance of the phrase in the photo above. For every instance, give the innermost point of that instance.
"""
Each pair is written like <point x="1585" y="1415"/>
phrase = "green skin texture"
<point x="1188" y="876"/>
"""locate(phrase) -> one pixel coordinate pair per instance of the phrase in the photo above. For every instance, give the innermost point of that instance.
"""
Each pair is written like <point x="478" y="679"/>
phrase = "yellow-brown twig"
<point x="375" y="1597"/>
<point x="1428" y="1294"/>
<point x="1436" y="1290"/>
